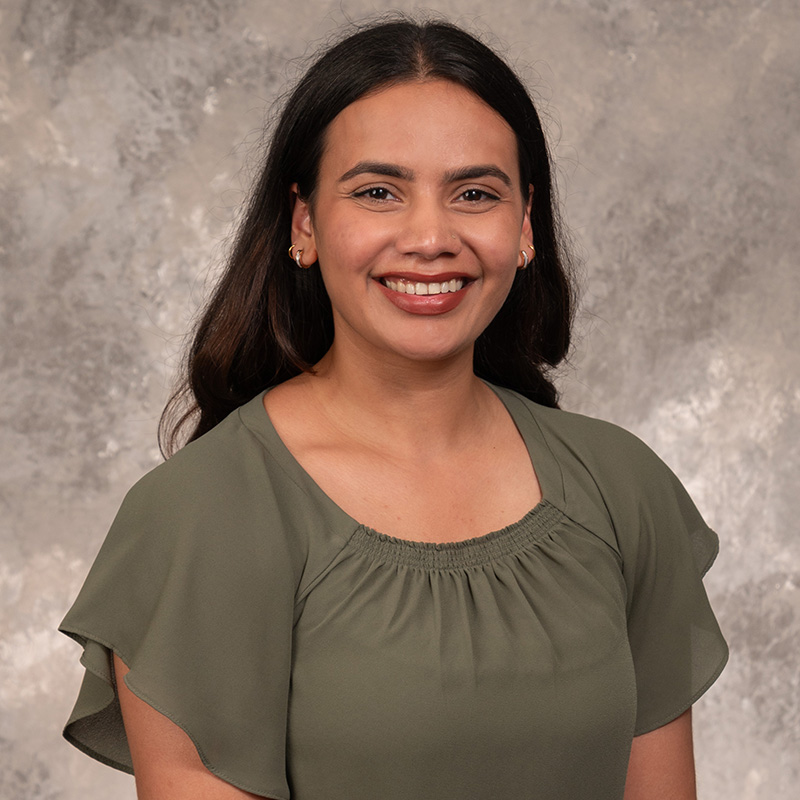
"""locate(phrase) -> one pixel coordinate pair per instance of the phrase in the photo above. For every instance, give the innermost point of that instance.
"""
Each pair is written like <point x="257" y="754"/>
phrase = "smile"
<point x="418" y="287"/>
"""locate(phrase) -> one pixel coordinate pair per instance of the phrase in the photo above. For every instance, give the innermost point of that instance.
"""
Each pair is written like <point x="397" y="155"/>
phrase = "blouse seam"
<point x="615" y="548"/>
<point x="261" y="445"/>
<point x="312" y="584"/>
<point x="302" y="594"/>
<point x="526" y="405"/>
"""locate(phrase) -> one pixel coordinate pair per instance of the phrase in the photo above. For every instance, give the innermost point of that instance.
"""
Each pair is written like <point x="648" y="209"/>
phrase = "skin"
<point x="395" y="396"/>
<point x="421" y="222"/>
<point x="165" y="761"/>
<point x="417" y="182"/>
<point x="661" y="765"/>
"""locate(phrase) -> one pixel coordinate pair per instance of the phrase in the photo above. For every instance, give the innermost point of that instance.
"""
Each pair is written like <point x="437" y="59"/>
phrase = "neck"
<point x="407" y="405"/>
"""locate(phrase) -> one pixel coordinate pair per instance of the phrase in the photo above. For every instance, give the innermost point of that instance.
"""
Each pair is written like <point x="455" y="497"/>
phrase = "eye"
<point x="477" y="196"/>
<point x="376" y="193"/>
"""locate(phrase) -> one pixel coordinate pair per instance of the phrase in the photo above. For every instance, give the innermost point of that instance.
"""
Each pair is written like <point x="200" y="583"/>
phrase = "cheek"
<point x="499" y="255"/>
<point x="350" y="243"/>
<point x="496" y="238"/>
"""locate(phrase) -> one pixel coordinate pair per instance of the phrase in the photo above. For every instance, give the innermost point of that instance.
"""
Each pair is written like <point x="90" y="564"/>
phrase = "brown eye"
<point x="477" y="195"/>
<point x="374" y="193"/>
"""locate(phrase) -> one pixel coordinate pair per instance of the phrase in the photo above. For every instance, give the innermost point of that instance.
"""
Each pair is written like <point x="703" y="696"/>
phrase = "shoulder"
<point x="579" y="443"/>
<point x="644" y="498"/>
<point x="235" y="493"/>
<point x="217" y="472"/>
<point x="611" y="476"/>
<point x="600" y="445"/>
<point x="223" y="493"/>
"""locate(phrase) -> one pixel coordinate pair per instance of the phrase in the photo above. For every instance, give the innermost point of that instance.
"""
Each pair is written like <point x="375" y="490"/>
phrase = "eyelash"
<point x="367" y="193"/>
<point x="485" y="195"/>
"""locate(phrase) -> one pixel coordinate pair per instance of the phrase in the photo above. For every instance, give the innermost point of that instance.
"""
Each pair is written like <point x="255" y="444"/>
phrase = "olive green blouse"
<point x="308" y="656"/>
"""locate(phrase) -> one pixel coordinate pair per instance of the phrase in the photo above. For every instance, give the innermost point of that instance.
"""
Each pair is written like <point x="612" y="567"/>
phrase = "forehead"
<point x="432" y="125"/>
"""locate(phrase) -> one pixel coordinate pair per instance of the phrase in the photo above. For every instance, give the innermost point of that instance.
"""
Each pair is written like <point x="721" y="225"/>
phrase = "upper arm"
<point x="165" y="761"/>
<point x="661" y="765"/>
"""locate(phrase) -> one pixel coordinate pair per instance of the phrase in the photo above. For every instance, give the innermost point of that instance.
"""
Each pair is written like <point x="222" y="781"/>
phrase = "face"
<point x="417" y="221"/>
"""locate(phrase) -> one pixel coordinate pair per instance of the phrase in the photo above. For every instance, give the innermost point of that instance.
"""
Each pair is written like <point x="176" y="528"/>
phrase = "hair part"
<point x="268" y="321"/>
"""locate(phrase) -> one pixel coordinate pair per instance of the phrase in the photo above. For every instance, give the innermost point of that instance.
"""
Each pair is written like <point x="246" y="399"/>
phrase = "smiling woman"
<point x="419" y="186"/>
<point x="386" y="565"/>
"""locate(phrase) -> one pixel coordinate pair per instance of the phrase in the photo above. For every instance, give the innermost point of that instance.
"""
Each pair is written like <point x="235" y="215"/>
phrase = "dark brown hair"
<point x="268" y="321"/>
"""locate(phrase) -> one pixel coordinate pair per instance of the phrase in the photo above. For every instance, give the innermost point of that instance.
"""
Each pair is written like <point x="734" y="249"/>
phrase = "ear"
<point x="302" y="226"/>
<point x="526" y="237"/>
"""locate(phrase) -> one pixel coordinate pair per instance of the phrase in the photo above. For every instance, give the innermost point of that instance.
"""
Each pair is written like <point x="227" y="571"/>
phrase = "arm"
<point x="166" y="763"/>
<point x="661" y="765"/>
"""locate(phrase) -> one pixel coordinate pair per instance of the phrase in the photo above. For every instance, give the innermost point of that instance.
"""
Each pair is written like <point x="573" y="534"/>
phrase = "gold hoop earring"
<point x="296" y="257"/>
<point x="524" y="254"/>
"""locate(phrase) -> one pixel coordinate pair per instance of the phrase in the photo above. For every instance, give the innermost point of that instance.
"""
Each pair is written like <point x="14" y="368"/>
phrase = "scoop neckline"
<point x="548" y="472"/>
<point x="477" y="551"/>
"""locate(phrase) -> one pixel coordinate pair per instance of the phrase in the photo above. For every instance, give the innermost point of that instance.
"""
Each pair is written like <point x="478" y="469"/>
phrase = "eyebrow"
<point x="396" y="171"/>
<point x="478" y="171"/>
<point x="377" y="168"/>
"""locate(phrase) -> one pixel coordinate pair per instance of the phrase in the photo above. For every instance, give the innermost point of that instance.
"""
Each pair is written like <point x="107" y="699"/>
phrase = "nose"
<point x="427" y="230"/>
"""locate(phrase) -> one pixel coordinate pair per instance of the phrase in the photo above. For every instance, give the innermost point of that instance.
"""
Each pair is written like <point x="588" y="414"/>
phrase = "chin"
<point x="430" y="352"/>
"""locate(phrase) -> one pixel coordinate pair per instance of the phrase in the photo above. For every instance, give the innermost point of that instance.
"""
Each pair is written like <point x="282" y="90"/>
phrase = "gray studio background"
<point x="127" y="132"/>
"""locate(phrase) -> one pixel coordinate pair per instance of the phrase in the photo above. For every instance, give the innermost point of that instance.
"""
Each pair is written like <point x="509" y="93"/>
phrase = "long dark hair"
<point x="268" y="321"/>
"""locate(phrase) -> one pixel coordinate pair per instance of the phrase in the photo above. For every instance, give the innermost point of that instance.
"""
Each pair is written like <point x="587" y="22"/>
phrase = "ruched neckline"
<point x="474" y="552"/>
<point x="544" y="464"/>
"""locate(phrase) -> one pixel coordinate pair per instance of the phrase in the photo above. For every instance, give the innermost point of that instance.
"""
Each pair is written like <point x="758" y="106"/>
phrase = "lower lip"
<point x="425" y="304"/>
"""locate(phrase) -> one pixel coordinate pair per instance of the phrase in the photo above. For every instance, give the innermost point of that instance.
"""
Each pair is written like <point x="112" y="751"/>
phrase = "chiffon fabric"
<point x="310" y="657"/>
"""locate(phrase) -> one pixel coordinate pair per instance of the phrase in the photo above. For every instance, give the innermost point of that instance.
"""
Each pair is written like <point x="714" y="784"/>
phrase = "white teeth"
<point x="417" y="287"/>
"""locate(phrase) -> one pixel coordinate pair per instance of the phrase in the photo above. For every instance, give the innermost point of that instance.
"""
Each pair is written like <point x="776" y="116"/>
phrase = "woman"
<point x="530" y="620"/>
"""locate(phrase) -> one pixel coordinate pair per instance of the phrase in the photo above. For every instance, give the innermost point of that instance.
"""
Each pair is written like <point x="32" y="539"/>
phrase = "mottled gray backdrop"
<point x="127" y="135"/>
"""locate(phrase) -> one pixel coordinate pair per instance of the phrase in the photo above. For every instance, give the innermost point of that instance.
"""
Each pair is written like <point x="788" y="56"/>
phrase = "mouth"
<point x="405" y="286"/>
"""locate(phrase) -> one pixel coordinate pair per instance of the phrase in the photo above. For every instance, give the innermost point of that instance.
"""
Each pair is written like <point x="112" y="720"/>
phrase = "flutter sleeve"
<point x="666" y="547"/>
<point x="194" y="588"/>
